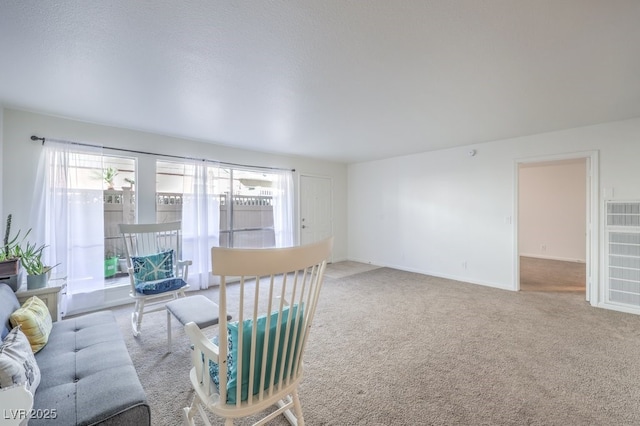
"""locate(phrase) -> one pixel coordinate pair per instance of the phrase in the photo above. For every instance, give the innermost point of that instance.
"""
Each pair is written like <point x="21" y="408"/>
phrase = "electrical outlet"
<point x="543" y="248"/>
<point x="464" y="264"/>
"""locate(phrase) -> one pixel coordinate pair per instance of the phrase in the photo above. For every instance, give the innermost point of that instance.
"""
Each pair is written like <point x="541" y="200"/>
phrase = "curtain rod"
<point x="36" y="138"/>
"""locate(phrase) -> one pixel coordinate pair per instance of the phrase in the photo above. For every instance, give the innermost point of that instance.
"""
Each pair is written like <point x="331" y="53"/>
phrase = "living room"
<point x="422" y="148"/>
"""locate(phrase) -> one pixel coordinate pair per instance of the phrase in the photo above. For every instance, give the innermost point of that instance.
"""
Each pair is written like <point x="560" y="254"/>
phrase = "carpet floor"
<point x="397" y="348"/>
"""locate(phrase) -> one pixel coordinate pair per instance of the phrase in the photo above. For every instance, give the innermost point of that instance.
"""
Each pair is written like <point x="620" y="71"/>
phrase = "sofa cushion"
<point x="88" y="375"/>
<point x="34" y="320"/>
<point x="17" y="363"/>
<point x="9" y="303"/>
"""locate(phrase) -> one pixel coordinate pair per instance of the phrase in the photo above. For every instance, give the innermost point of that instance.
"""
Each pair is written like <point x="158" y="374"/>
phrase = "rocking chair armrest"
<point x="184" y="265"/>
<point x="132" y="280"/>
<point x="201" y="342"/>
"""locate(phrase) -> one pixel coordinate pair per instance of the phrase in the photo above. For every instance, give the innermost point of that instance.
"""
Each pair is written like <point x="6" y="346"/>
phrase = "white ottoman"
<point x="197" y="309"/>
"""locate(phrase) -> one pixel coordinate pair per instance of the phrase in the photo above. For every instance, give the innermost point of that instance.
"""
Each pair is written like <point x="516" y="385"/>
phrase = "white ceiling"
<point x="334" y="79"/>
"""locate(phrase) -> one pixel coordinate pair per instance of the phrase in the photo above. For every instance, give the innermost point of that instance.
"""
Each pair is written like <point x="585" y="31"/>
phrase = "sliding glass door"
<point x="86" y="194"/>
<point x="245" y="198"/>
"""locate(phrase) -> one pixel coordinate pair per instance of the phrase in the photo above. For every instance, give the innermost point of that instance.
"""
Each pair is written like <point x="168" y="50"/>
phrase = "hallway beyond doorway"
<point x="552" y="275"/>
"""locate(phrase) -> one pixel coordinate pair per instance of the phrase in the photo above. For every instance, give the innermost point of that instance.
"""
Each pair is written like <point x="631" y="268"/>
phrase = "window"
<point x="244" y="197"/>
<point x="86" y="195"/>
<point x="115" y="177"/>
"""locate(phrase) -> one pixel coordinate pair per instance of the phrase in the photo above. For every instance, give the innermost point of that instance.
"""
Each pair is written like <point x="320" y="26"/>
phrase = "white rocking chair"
<point x="156" y="271"/>
<point x="256" y="362"/>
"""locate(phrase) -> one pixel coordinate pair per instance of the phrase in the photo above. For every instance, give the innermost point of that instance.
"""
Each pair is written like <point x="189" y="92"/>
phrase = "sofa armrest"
<point x="8" y="304"/>
<point x="17" y="402"/>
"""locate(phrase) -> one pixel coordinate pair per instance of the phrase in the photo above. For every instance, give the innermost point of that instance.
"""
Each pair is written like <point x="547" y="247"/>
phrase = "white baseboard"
<point x="439" y="275"/>
<point x="545" y="257"/>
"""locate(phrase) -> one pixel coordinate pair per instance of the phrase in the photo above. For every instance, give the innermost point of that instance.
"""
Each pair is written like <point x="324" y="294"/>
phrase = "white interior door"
<point x="316" y="220"/>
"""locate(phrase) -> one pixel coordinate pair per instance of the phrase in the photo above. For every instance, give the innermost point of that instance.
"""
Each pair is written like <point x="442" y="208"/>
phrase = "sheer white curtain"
<point x="283" y="208"/>
<point x="70" y="220"/>
<point x="200" y="221"/>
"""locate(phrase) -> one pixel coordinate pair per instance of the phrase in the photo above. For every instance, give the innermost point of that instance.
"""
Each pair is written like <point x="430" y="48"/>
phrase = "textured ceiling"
<point x="333" y="79"/>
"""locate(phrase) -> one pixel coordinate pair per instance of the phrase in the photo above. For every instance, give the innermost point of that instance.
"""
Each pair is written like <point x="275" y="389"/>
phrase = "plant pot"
<point x="122" y="265"/>
<point x="12" y="281"/>
<point x="9" y="267"/>
<point x="110" y="267"/>
<point x="37" y="281"/>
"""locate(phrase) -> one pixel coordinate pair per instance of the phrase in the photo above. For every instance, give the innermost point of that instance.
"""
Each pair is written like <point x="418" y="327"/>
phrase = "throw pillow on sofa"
<point x="35" y="322"/>
<point x="17" y="363"/>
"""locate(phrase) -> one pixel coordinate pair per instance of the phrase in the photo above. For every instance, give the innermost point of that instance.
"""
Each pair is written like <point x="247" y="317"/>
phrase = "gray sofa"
<point x="86" y="373"/>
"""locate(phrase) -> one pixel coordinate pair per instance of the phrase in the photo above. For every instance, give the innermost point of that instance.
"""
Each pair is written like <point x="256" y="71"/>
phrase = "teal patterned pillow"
<point x="159" y="286"/>
<point x="214" y="369"/>
<point x="153" y="267"/>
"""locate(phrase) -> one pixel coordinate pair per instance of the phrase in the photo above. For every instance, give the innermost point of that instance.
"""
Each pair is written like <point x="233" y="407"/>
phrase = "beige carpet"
<point x="397" y="348"/>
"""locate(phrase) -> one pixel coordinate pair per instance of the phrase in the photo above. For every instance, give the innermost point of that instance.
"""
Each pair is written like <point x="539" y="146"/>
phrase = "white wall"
<point x="20" y="163"/>
<point x="552" y="201"/>
<point x="440" y="211"/>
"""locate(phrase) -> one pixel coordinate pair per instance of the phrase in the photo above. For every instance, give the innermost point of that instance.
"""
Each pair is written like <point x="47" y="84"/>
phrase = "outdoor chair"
<point x="157" y="272"/>
<point x="256" y="361"/>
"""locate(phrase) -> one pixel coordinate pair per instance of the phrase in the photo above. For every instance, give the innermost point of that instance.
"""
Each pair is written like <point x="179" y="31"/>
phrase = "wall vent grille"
<point x="623" y="253"/>
<point x="623" y="214"/>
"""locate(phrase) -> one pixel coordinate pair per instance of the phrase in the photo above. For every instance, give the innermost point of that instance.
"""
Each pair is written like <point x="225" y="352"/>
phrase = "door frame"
<point x="592" y="253"/>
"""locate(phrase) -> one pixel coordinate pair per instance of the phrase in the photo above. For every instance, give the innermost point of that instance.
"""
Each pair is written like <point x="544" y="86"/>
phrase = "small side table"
<point x="48" y="294"/>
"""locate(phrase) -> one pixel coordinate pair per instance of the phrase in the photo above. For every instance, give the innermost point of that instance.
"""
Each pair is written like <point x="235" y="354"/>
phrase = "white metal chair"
<point x="260" y="362"/>
<point x="157" y="272"/>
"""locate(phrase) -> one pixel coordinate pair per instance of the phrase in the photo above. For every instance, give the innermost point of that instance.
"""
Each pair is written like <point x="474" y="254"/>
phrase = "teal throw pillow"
<point x="261" y="331"/>
<point x="153" y="267"/>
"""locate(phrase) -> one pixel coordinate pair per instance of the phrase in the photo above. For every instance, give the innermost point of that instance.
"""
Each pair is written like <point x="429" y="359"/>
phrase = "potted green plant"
<point x="11" y="270"/>
<point x="123" y="263"/>
<point x="131" y="182"/>
<point x="110" y="265"/>
<point x="109" y="175"/>
<point x="37" y="271"/>
<point x="9" y="259"/>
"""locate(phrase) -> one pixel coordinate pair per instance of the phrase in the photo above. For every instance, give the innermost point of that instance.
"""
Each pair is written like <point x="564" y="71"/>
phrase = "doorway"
<point x="555" y="223"/>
